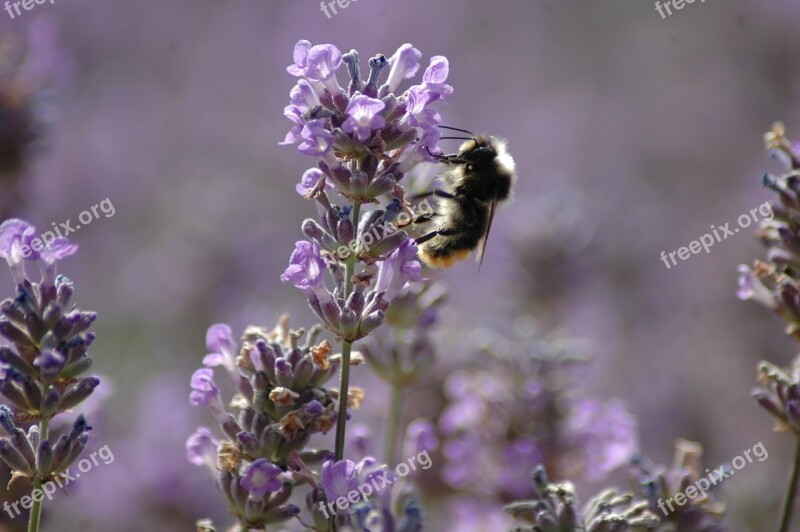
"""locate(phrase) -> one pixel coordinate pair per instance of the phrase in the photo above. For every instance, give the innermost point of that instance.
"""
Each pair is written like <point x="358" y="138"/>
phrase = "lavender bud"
<point x="303" y="371"/>
<point x="7" y="419"/>
<point x="9" y="357"/>
<point x="356" y="302"/>
<point x="76" y="368"/>
<point x="349" y="324"/>
<point x="50" y="403"/>
<point x="16" y="336"/>
<point x="371" y="322"/>
<point x="76" y="447"/>
<point x="238" y="493"/>
<point x="14" y="459"/>
<point x="44" y="459"/>
<point x="283" y="373"/>
<point x="230" y="427"/>
<point x="31" y="392"/>
<point x="50" y="364"/>
<point x="225" y="484"/>
<point x="13" y="394"/>
<point x="76" y="393"/>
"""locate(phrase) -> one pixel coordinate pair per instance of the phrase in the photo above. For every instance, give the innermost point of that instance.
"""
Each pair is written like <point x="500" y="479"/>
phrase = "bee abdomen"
<point x="438" y="259"/>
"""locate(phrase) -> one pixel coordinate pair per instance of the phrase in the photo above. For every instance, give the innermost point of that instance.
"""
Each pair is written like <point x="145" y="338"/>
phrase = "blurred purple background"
<point x="631" y="134"/>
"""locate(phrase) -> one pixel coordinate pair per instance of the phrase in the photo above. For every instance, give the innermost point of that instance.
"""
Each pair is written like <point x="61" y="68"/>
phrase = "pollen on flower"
<point x="320" y="352"/>
<point x="229" y="456"/>
<point x="291" y="424"/>
<point x="283" y="396"/>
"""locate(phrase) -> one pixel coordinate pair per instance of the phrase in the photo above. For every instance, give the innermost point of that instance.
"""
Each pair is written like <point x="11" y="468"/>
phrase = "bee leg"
<point x="419" y="219"/>
<point x="441" y="231"/>
<point x="435" y="192"/>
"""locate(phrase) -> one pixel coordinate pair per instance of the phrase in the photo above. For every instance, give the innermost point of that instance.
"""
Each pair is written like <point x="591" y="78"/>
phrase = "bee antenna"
<point x="457" y="129"/>
<point x="455" y="138"/>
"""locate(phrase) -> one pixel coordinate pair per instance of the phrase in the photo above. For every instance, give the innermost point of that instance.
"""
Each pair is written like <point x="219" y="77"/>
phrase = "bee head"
<point x="480" y="150"/>
<point x="484" y="150"/>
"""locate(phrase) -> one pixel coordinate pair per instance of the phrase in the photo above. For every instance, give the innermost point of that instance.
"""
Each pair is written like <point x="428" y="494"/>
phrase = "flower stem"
<point x="344" y="375"/>
<point x="788" y="505"/>
<point x="395" y="415"/>
<point x="344" y="385"/>
<point x="36" y="509"/>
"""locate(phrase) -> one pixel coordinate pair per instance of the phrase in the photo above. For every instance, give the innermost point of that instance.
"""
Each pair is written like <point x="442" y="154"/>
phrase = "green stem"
<point x="344" y="375"/>
<point x="788" y="505"/>
<point x="36" y="509"/>
<point x="396" y="412"/>
<point x="344" y="385"/>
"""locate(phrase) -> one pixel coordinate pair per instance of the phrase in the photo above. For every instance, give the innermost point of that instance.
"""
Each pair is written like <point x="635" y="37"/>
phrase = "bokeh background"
<point x="631" y="134"/>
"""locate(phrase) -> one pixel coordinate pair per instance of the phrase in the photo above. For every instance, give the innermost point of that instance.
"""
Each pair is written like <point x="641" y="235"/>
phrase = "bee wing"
<point x="485" y="239"/>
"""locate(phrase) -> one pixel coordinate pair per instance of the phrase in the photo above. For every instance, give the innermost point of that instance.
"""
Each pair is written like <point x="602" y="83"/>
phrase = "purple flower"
<point x="419" y="115"/>
<point x="16" y="237"/>
<point x="58" y="249"/>
<point x="318" y="142"/>
<point x="751" y="287"/>
<point x="359" y="439"/>
<point x="303" y="96"/>
<point x="204" y="389"/>
<point x="322" y="62"/>
<point x="339" y="478"/>
<point x="405" y="63"/>
<point x="300" y="56"/>
<point x="49" y="364"/>
<point x="398" y="269"/>
<point x="607" y="433"/>
<point x="435" y="76"/>
<point x="519" y="458"/>
<point x="219" y="340"/>
<point x="262" y="478"/>
<point x="420" y="437"/>
<point x="309" y="181"/>
<point x="362" y="116"/>
<point x="201" y="448"/>
<point x="306" y="270"/>
<point x="293" y="113"/>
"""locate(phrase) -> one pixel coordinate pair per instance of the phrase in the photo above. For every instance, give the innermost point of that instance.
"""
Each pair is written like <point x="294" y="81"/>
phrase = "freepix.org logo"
<point x="27" y="5"/>
<point x="61" y="480"/>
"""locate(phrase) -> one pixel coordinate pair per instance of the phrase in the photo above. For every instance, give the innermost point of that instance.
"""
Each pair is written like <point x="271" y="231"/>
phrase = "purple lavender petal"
<point x="262" y="478"/>
<point x="362" y="116"/>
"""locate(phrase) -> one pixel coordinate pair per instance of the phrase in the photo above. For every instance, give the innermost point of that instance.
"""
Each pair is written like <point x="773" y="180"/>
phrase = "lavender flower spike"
<point x="270" y="419"/>
<point x="40" y="367"/>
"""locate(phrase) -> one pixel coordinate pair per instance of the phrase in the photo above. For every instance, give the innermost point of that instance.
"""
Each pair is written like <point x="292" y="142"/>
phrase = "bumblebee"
<point x="478" y="178"/>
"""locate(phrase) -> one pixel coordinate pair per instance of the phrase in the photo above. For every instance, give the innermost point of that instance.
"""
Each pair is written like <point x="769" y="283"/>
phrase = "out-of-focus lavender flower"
<point x="202" y="447"/>
<point x="606" y="433"/>
<point x="779" y="394"/>
<point x="700" y="513"/>
<point x="279" y="404"/>
<point x="47" y="342"/>
<point x="397" y="508"/>
<point x="404" y="350"/>
<point x="420" y="437"/>
<point x="775" y="283"/>
<point x="515" y="409"/>
<point x="339" y="478"/>
<point x="554" y="508"/>
<point x="361" y="497"/>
